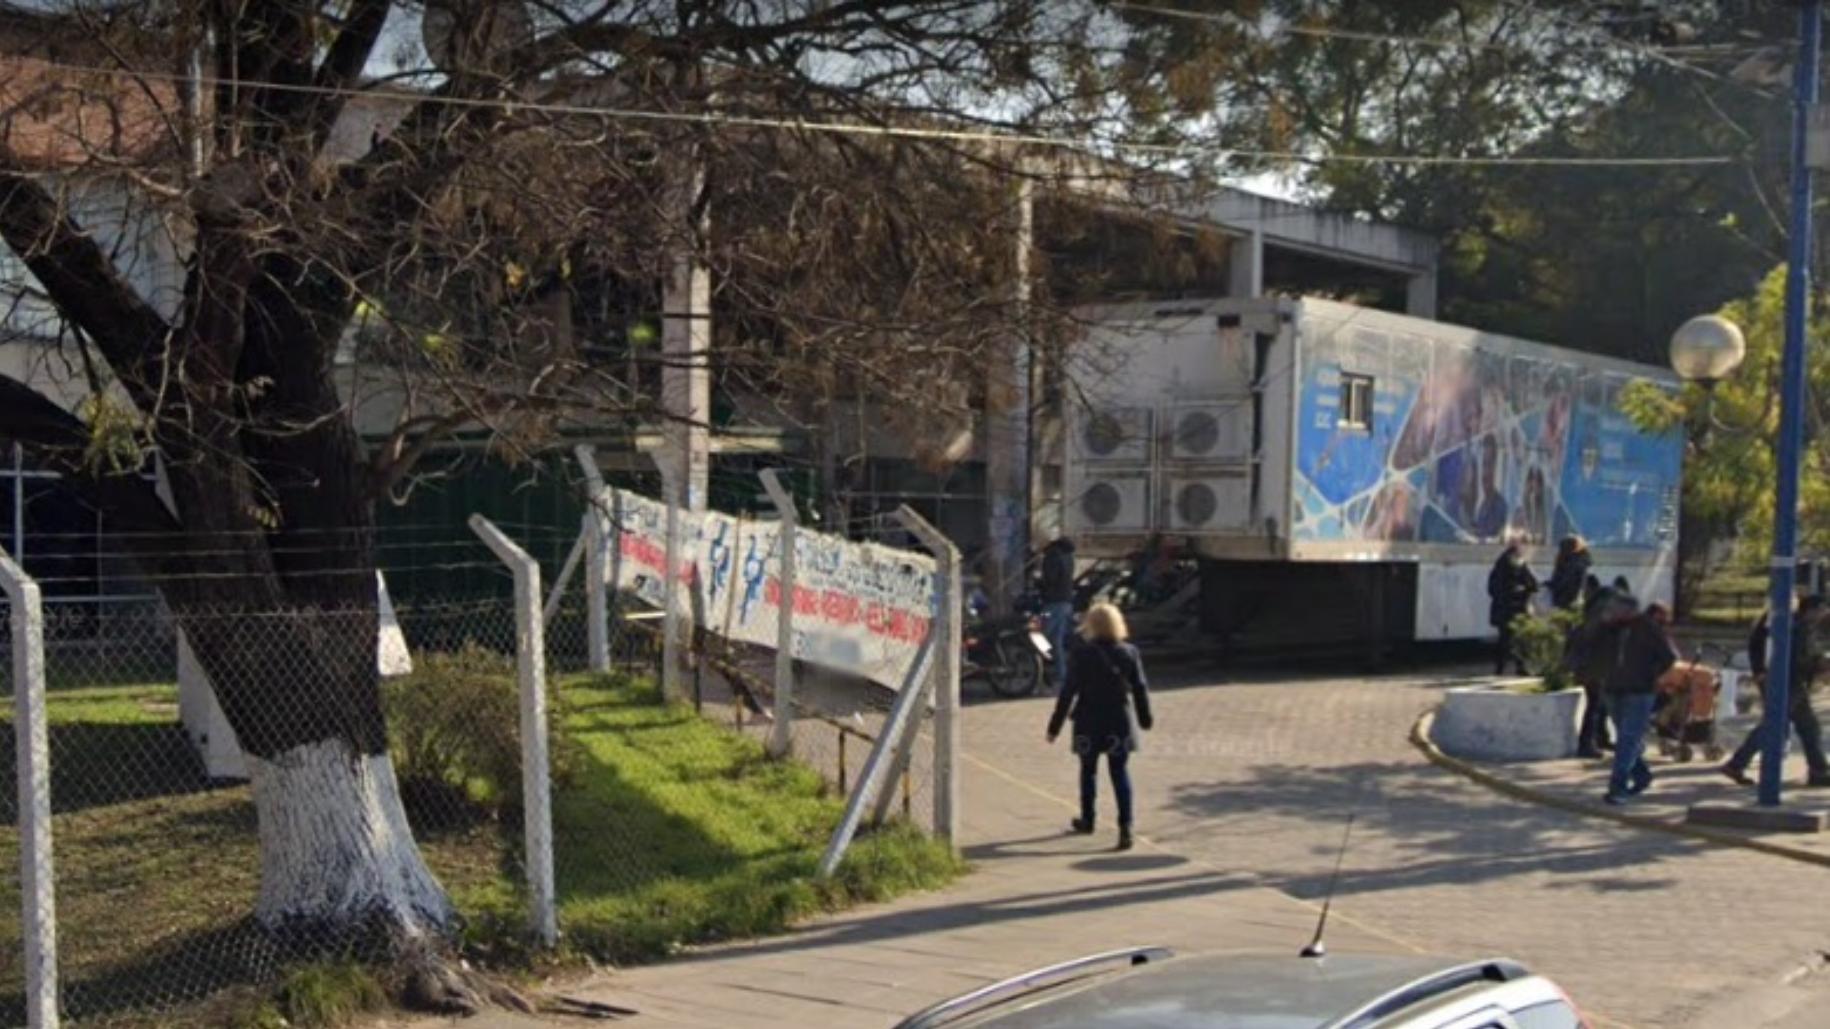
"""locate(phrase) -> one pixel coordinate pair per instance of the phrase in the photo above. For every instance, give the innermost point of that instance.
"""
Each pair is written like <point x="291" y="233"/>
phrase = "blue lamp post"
<point x="1708" y="348"/>
<point x="1791" y="411"/>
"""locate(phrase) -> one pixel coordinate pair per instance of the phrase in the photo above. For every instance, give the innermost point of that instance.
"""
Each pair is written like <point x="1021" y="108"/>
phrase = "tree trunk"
<point x="336" y="851"/>
<point x="279" y="607"/>
<point x="300" y="688"/>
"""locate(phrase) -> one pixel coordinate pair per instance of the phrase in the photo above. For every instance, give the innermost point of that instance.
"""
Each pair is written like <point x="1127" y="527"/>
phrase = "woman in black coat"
<point x="1568" y="578"/>
<point x="1108" y="700"/>
<point x="1510" y="586"/>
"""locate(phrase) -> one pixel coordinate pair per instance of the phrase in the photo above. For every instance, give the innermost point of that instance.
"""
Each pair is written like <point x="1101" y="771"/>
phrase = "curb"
<point x="1420" y="738"/>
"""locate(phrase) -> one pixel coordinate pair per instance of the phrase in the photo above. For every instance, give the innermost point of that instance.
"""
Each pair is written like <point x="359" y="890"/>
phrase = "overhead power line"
<point x="916" y="133"/>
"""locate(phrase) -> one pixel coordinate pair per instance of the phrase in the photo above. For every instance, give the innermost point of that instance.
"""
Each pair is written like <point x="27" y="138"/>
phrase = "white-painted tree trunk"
<point x="335" y="845"/>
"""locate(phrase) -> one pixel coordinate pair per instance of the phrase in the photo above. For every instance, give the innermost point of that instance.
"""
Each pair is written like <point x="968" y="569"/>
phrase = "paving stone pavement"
<point x="1248" y="784"/>
<point x="1260" y="775"/>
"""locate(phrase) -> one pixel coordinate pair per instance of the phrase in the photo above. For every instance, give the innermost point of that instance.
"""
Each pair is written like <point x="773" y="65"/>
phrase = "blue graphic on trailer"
<point x="1469" y="446"/>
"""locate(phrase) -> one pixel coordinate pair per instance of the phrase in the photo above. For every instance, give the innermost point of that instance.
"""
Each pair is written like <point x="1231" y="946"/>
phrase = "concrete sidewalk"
<point x="1577" y="785"/>
<point x="1036" y="895"/>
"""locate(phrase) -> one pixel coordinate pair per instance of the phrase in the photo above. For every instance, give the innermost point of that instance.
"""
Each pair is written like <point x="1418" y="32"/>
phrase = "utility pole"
<point x="1008" y="433"/>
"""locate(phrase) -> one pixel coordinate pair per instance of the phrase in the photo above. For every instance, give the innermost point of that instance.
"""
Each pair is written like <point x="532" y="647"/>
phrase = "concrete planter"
<point x="1500" y="721"/>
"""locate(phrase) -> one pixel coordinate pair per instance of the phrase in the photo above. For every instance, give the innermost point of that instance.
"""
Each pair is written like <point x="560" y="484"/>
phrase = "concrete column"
<point x="1245" y="265"/>
<point x="686" y="344"/>
<point x="1420" y="295"/>
<point x="1007" y="427"/>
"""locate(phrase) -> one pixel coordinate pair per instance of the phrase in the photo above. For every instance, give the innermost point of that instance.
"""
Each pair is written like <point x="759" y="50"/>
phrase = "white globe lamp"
<point x="1707" y="349"/>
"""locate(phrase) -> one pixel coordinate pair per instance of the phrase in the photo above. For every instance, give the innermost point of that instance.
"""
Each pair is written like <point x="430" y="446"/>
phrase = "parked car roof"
<point x="1244" y="990"/>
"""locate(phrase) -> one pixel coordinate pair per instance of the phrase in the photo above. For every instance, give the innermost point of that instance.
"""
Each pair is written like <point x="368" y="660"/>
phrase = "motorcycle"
<point x="1010" y="652"/>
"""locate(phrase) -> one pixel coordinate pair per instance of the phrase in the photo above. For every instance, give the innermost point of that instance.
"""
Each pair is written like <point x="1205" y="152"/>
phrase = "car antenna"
<point x="1316" y="948"/>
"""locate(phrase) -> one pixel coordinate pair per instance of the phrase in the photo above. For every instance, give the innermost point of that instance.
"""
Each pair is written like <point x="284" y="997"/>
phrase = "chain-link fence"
<point x="158" y="846"/>
<point x="669" y="824"/>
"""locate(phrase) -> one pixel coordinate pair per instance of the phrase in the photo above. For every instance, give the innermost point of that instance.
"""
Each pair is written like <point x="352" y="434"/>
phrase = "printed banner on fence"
<point x="861" y="608"/>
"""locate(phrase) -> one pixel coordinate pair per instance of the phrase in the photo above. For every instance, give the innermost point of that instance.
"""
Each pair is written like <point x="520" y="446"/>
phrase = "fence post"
<point x="32" y="742"/>
<point x="556" y="592"/>
<point x="873" y="778"/>
<point x="597" y="566"/>
<point x="905" y="752"/>
<point x="670" y="577"/>
<point x="946" y="629"/>
<point x="536" y="769"/>
<point x="781" y="735"/>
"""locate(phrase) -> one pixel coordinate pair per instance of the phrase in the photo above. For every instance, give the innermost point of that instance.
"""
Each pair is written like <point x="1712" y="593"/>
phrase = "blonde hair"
<point x="1104" y="622"/>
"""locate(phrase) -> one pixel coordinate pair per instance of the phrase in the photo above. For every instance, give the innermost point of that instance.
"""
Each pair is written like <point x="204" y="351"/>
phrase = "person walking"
<point x="1589" y="657"/>
<point x="1569" y="576"/>
<point x="1108" y="700"/>
<point x="1642" y="651"/>
<point x="1057" y="594"/>
<point x="1510" y="586"/>
<point x="1807" y="662"/>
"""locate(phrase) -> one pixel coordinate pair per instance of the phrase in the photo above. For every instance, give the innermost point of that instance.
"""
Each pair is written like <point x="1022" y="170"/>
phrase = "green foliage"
<point x="331" y="994"/>
<point x="669" y="830"/>
<point x="677" y="831"/>
<point x="321" y="995"/>
<point x="1539" y="641"/>
<point x="1601" y="258"/>
<point x="454" y="728"/>
<point x="1729" y="472"/>
<point x="116" y="444"/>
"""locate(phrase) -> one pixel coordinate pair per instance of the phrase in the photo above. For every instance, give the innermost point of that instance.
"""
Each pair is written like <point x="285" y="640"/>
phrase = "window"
<point x="1356" y="402"/>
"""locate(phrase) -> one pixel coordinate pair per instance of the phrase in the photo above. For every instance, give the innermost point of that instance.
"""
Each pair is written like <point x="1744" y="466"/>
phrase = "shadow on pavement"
<point x="898" y="924"/>
<point x="1129" y="863"/>
<point x="1419" y="823"/>
<point x="1058" y="844"/>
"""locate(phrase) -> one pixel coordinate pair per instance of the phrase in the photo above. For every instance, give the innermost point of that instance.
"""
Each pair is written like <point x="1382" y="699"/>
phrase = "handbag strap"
<point x="1124" y="680"/>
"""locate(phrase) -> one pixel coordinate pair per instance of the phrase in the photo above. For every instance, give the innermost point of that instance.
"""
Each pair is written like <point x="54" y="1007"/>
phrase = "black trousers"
<point x="1505" y="651"/>
<point x="1594" y="733"/>
<point x="1117" y="761"/>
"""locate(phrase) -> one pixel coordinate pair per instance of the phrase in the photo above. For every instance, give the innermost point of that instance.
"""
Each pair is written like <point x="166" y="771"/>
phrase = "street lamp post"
<point x="1791" y="412"/>
<point x="1708" y="348"/>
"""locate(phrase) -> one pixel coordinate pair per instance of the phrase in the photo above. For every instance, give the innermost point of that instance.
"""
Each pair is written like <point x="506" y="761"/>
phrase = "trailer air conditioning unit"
<point x="1210" y="501"/>
<point x="1115" y="501"/>
<point x="1211" y="432"/>
<point x="1114" y="434"/>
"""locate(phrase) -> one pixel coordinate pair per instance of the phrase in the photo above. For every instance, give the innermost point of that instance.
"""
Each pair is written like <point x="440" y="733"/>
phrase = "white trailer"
<point x="1348" y="472"/>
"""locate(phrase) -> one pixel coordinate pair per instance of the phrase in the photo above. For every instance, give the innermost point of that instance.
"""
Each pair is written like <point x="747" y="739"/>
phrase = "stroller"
<point x="1684" y="714"/>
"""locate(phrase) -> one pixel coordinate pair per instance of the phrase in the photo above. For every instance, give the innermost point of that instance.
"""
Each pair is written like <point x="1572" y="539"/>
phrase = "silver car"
<point x="1150" y="988"/>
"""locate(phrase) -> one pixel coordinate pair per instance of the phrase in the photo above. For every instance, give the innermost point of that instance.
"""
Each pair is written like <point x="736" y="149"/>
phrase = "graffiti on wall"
<point x="861" y="608"/>
<point x="1467" y="446"/>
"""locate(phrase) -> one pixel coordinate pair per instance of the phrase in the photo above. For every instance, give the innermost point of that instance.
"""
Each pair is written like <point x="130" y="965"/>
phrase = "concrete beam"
<point x="1328" y="233"/>
<point x="1245" y="265"/>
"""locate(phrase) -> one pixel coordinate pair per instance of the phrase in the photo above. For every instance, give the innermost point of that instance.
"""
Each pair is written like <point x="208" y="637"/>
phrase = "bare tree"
<point x="326" y="197"/>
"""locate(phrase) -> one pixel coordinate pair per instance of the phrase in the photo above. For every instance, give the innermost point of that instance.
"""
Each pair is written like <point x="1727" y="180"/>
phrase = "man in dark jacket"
<point x="1571" y="572"/>
<point x="1510" y="586"/>
<point x="1642" y="652"/>
<point x="1058" y="601"/>
<point x="1589" y="657"/>
<point x="1807" y="663"/>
